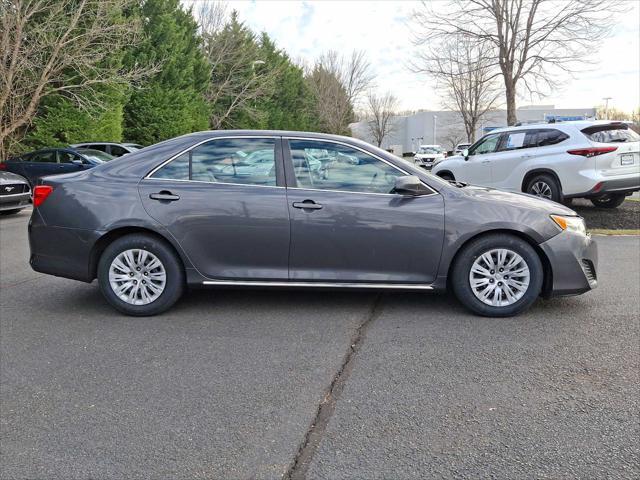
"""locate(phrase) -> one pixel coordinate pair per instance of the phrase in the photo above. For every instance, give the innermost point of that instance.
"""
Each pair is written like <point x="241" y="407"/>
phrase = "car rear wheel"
<point x="140" y="275"/>
<point x="544" y="186"/>
<point x="497" y="275"/>
<point x="609" y="200"/>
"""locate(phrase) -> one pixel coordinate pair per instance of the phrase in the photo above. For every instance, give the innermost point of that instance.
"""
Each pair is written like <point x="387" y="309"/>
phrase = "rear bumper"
<point x="63" y="252"/>
<point x="628" y="184"/>
<point x="574" y="262"/>
<point x="12" y="202"/>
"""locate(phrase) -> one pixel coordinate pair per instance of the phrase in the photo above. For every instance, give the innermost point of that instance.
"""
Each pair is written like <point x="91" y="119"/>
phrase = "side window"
<point x="247" y="161"/>
<point x="43" y="157"/>
<point x="330" y="166"/>
<point x="117" y="151"/>
<point x="549" y="136"/>
<point x="514" y="141"/>
<point x="176" y="169"/>
<point x="67" y="157"/>
<point x="485" y="145"/>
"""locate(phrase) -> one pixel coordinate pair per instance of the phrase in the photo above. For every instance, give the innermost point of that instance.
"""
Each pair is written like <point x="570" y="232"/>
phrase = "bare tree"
<point x="380" y="112"/>
<point x="532" y="41"/>
<point x="239" y="78"/>
<point x="464" y="77"/>
<point x="58" y="46"/>
<point x="338" y="84"/>
<point x="454" y="135"/>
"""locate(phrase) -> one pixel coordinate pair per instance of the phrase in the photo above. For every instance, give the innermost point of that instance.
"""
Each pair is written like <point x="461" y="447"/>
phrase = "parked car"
<point x="461" y="147"/>
<point x="598" y="160"/>
<point x="112" y="148"/>
<point x="173" y="216"/>
<point x="428" y="155"/>
<point x="50" y="161"/>
<point x="15" y="193"/>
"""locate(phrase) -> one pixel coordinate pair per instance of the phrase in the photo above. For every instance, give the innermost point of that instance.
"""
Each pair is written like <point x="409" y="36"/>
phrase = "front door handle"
<point x="164" y="196"/>
<point x="307" y="205"/>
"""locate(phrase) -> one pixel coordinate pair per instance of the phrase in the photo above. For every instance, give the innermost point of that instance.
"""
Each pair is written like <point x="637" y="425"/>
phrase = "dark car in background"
<point x="112" y="148"/>
<point x="50" y="161"/>
<point x="15" y="193"/>
<point x="185" y="213"/>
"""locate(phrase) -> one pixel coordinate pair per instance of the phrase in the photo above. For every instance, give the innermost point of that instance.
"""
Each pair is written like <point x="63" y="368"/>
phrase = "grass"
<point x="604" y="231"/>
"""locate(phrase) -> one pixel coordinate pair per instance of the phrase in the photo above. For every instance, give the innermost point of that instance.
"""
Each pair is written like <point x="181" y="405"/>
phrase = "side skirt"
<point x="399" y="286"/>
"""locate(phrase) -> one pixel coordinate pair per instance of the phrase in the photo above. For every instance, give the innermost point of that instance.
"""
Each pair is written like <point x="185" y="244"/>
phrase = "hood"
<point x="521" y="200"/>
<point x="8" y="177"/>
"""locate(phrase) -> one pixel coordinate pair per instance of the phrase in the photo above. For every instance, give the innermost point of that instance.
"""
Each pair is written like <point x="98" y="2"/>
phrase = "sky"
<point x="381" y="28"/>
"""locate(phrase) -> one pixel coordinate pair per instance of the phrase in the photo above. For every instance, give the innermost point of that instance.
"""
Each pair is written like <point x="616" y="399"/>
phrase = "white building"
<point x="446" y="128"/>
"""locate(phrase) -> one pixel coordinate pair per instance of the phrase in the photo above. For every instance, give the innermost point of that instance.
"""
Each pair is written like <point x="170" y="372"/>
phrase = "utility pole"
<point x="435" y="122"/>
<point x="606" y="107"/>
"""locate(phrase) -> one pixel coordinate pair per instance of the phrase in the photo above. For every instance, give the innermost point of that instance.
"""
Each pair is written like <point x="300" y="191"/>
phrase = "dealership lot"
<point x="228" y="383"/>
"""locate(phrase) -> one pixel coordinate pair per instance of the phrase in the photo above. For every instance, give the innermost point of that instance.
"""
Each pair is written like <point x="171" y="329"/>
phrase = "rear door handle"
<point x="164" y="196"/>
<point x="307" y="205"/>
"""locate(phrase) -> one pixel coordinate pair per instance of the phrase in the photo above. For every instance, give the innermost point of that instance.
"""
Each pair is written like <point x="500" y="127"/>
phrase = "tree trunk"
<point x="510" y="90"/>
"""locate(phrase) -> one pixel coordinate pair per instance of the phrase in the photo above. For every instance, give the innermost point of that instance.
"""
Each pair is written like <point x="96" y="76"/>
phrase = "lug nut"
<point x="492" y="272"/>
<point x="502" y="269"/>
<point x="499" y="284"/>
<point x="491" y="280"/>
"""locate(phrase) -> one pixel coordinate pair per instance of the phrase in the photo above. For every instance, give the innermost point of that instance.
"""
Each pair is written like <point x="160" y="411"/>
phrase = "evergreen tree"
<point x="172" y="102"/>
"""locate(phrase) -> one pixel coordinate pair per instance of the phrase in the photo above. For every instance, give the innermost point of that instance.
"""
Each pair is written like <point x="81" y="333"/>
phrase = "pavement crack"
<point x="300" y="465"/>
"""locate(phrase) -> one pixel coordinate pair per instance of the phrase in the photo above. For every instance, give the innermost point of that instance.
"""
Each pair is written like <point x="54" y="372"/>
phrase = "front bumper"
<point x="426" y="163"/>
<point x="12" y="202"/>
<point x="573" y="259"/>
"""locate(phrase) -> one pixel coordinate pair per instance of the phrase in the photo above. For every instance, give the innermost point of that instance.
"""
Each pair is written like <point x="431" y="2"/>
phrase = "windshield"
<point x="612" y="133"/>
<point x="96" y="155"/>
<point x="428" y="150"/>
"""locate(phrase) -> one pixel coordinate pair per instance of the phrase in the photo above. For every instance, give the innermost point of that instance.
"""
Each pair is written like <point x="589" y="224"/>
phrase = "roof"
<point x="579" y="124"/>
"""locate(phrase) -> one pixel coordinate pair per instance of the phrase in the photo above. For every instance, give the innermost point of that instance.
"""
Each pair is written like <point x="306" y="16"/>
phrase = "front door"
<point x="224" y="202"/>
<point x="348" y="226"/>
<point x="477" y="169"/>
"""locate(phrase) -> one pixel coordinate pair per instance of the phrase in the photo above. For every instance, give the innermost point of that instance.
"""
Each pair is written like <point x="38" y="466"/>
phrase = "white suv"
<point x="428" y="155"/>
<point x="599" y="160"/>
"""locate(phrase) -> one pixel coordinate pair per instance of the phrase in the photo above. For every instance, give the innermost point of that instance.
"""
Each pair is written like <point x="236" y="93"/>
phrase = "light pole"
<point x="606" y="107"/>
<point x="435" y="123"/>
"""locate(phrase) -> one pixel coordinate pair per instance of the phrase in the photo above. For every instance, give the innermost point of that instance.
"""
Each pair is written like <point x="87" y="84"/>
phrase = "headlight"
<point x="571" y="224"/>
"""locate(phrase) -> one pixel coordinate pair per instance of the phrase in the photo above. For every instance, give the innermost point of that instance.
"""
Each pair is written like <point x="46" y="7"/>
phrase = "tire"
<point x="462" y="276"/>
<point x="10" y="212"/>
<point x="608" y="200"/>
<point x="142" y="249"/>
<point x="545" y="186"/>
<point x="447" y="176"/>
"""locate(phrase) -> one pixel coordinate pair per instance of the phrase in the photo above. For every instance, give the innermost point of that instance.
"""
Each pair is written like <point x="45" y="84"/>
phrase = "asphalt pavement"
<point x="305" y="384"/>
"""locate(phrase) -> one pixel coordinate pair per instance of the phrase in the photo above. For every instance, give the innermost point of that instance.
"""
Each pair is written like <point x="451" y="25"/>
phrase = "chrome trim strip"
<point x="197" y="145"/>
<point x="414" y="286"/>
<point x="214" y="183"/>
<point x="27" y="194"/>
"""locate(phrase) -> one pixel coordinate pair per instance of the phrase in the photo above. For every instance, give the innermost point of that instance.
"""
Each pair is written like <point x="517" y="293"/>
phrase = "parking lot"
<point x="265" y="384"/>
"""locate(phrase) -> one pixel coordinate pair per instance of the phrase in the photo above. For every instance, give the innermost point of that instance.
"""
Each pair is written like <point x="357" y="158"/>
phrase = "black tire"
<point x="465" y="259"/>
<point x="175" y="280"/>
<point x="608" y="200"/>
<point x="542" y="183"/>
<point x="447" y="176"/>
<point x="10" y="212"/>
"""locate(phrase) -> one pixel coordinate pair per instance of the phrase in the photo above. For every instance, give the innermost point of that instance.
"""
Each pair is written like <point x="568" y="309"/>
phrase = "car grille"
<point x="589" y="270"/>
<point x="13" y="189"/>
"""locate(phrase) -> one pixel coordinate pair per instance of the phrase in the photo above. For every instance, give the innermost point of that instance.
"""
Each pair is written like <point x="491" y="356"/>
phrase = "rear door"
<point x="228" y="214"/>
<point x="348" y="226"/>
<point x="40" y="164"/>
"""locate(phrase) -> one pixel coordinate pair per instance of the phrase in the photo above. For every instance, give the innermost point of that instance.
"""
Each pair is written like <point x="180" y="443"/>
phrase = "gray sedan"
<point x="193" y="212"/>
<point x="15" y="193"/>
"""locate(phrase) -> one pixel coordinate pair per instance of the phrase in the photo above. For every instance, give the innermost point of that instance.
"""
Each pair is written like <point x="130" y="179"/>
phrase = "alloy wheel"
<point x="137" y="277"/>
<point x="499" y="277"/>
<point x="541" y="189"/>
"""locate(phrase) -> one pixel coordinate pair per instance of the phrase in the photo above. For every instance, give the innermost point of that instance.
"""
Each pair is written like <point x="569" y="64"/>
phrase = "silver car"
<point x="15" y="193"/>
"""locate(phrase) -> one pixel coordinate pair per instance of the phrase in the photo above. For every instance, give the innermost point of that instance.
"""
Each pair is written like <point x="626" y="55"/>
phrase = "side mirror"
<point x="76" y="161"/>
<point x="465" y="153"/>
<point x="409" y="185"/>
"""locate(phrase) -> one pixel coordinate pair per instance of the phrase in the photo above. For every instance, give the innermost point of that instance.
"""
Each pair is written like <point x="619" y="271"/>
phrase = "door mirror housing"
<point x="409" y="185"/>
<point x="465" y="153"/>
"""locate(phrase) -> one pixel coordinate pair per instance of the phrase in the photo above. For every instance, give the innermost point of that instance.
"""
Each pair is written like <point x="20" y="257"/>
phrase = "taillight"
<point x="592" y="151"/>
<point x="40" y="194"/>
<point x="3" y="166"/>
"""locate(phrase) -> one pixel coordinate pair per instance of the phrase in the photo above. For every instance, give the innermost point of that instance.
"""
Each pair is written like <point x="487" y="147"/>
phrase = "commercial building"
<point x="446" y="128"/>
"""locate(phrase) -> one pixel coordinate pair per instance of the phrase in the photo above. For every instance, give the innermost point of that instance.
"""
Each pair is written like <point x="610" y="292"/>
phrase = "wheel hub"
<point x="137" y="277"/>
<point x="499" y="277"/>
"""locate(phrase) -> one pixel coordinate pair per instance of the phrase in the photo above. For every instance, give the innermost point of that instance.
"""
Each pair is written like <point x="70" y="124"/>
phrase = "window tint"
<point x="612" y="133"/>
<point x="549" y="136"/>
<point x="43" y="157"/>
<point x="117" y="151"/>
<point x="248" y="161"/>
<point x="67" y="157"/>
<point x="330" y="166"/>
<point x="487" y="144"/>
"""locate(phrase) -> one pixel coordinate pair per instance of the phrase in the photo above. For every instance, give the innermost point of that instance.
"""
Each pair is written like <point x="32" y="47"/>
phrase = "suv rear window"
<point x="611" y="133"/>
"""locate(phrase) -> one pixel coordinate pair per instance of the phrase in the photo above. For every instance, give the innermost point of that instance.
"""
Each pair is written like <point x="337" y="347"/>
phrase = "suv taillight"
<point x="40" y="194"/>
<point x="592" y="151"/>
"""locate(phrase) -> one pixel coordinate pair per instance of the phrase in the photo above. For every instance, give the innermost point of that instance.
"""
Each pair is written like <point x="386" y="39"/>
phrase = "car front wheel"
<point x="608" y="200"/>
<point x="497" y="275"/>
<point x="140" y="275"/>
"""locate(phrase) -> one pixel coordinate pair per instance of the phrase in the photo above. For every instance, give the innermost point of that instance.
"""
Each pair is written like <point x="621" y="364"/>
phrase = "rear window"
<point x="612" y="133"/>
